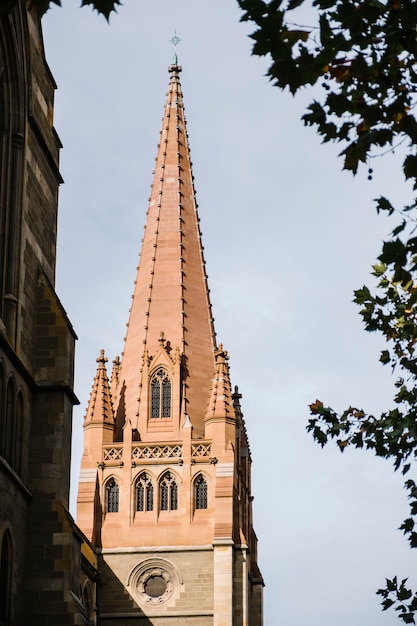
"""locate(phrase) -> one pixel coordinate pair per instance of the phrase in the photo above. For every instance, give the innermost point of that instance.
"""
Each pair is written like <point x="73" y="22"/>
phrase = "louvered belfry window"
<point x="160" y="394"/>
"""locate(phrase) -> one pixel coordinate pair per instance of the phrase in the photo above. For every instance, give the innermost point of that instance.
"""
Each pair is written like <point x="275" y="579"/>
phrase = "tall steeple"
<point x="99" y="409"/>
<point x="165" y="490"/>
<point x="171" y="311"/>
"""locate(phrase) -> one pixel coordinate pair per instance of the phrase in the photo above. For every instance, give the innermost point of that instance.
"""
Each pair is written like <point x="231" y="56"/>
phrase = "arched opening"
<point x="112" y="496"/>
<point x="160" y="394"/>
<point x="144" y="493"/>
<point x="87" y="600"/>
<point x="19" y="432"/>
<point x="200" y="493"/>
<point x="12" y="120"/>
<point x="10" y="425"/>
<point x="168" y="493"/>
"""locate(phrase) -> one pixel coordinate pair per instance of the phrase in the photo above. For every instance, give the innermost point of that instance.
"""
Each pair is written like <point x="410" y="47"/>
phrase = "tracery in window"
<point x="161" y="394"/>
<point x="200" y="492"/>
<point x="168" y="493"/>
<point x="144" y="493"/>
<point x="112" y="496"/>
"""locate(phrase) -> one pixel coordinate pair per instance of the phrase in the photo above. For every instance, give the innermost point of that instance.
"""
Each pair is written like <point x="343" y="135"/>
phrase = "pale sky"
<point x="288" y="236"/>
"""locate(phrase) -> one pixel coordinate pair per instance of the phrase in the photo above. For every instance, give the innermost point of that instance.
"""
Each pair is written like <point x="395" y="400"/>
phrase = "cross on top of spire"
<point x="175" y="41"/>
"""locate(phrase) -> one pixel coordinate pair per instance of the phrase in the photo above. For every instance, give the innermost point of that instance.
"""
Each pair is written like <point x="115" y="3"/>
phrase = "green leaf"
<point x="362" y="295"/>
<point x="379" y="269"/>
<point x="105" y="7"/>
<point x="382" y="204"/>
<point x="385" y="357"/>
<point x="393" y="252"/>
<point x="353" y="154"/>
<point x="399" y="229"/>
<point x="293" y="4"/>
<point x="294" y="36"/>
<point x="410" y="166"/>
<point x="407" y="525"/>
<point x="320" y="436"/>
<point x="386" y="604"/>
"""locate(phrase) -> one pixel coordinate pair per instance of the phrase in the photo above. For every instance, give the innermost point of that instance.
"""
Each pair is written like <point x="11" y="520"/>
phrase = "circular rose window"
<point x="154" y="581"/>
<point x="155" y="586"/>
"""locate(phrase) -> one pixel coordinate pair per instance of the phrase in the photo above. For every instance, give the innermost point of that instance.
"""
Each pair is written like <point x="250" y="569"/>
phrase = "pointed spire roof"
<point x="171" y="295"/>
<point x="221" y="400"/>
<point x="100" y="409"/>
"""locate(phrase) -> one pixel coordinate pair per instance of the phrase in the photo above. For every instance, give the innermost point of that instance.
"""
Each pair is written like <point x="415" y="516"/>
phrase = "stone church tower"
<point x="45" y="575"/>
<point x="165" y="484"/>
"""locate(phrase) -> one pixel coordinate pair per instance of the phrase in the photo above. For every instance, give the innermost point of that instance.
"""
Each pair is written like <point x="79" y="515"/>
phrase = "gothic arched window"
<point x="144" y="493"/>
<point x="19" y="433"/>
<point x="2" y="408"/>
<point x="5" y="577"/>
<point x="13" y="87"/>
<point x="160" y="394"/>
<point x="200" y="493"/>
<point x="10" y="425"/>
<point x="86" y="596"/>
<point x="168" y="493"/>
<point x="112" y="496"/>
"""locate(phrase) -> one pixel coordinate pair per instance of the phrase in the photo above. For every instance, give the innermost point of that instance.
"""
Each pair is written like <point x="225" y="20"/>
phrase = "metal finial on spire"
<point x="175" y="41"/>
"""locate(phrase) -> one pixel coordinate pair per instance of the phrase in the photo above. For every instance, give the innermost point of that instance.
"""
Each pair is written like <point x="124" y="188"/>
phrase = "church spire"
<point x="171" y="295"/>
<point x="170" y="481"/>
<point x="220" y="402"/>
<point x="99" y="409"/>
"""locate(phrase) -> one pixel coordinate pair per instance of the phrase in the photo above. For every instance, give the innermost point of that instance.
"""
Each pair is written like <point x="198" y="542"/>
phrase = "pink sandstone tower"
<point x="165" y="485"/>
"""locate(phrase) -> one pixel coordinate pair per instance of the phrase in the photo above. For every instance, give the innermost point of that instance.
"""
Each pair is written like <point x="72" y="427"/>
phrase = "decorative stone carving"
<point x="154" y="582"/>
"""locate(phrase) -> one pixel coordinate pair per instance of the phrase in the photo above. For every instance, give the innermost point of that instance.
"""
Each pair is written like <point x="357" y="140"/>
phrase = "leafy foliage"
<point x="401" y="597"/>
<point x="105" y="7"/>
<point x="363" y="53"/>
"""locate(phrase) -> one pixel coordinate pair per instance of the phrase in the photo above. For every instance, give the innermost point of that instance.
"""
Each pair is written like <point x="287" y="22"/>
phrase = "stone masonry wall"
<point x="192" y="598"/>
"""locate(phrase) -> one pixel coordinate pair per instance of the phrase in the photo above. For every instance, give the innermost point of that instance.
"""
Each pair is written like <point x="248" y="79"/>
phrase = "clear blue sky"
<point x="287" y="238"/>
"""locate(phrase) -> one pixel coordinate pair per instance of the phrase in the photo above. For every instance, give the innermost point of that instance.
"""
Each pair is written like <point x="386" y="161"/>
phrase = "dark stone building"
<point x="47" y="568"/>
